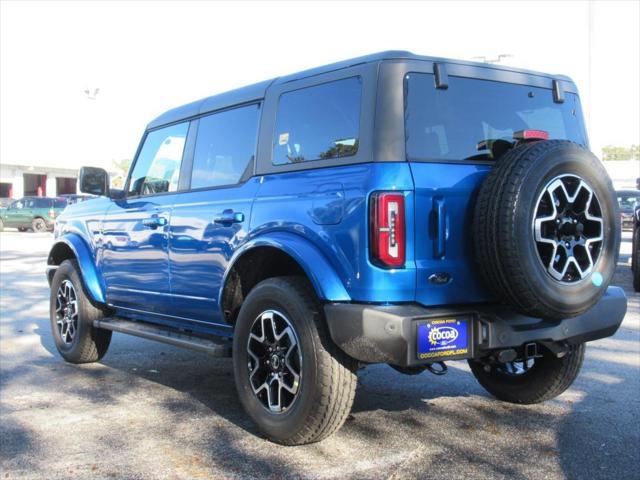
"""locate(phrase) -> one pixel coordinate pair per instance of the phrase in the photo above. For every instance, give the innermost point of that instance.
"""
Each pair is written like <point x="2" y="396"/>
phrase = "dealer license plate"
<point x="444" y="337"/>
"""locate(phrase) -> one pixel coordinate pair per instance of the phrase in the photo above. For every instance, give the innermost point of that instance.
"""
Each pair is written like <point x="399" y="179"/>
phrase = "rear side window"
<point x="318" y="123"/>
<point x="157" y="168"/>
<point x="449" y="124"/>
<point x="225" y="147"/>
<point x="59" y="203"/>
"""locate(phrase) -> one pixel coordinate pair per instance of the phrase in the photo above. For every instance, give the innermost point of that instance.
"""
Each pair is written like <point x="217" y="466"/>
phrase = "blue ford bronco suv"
<point x="393" y="208"/>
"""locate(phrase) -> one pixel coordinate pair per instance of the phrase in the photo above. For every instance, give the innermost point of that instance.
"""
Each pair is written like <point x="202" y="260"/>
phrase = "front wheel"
<point x="72" y="316"/>
<point x="532" y="381"/>
<point x="292" y="380"/>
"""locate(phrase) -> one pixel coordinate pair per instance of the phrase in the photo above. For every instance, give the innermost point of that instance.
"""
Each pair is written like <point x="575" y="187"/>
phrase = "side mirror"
<point x="94" y="181"/>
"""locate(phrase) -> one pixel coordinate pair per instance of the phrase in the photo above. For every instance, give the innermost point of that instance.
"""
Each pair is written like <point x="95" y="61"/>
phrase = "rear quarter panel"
<point x="329" y="208"/>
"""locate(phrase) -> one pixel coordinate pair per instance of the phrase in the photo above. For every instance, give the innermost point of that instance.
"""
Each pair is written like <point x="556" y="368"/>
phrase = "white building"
<point x="19" y="180"/>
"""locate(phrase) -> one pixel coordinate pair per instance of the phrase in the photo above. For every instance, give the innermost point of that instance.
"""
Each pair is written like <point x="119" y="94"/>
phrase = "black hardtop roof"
<point x="257" y="91"/>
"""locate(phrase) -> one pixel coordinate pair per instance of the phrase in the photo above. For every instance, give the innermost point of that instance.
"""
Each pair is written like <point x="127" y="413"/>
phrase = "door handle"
<point x="228" y="217"/>
<point x="154" y="222"/>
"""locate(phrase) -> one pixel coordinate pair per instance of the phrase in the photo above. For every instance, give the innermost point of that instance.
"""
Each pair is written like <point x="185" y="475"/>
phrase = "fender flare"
<point x="92" y="281"/>
<point x="324" y="279"/>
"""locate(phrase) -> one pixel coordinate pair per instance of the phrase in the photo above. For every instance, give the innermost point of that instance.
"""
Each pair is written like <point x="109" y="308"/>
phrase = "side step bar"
<point x="220" y="348"/>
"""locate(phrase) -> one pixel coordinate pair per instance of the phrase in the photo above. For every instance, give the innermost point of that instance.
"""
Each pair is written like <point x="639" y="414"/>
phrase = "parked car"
<point x="5" y="202"/>
<point x="392" y="209"/>
<point x="635" y="250"/>
<point x="627" y="201"/>
<point x="35" y="213"/>
<point x="72" y="198"/>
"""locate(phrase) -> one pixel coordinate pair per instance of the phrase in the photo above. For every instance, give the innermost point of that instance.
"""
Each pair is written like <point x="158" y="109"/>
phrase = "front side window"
<point x="225" y="147"/>
<point x="318" y="123"/>
<point x="451" y="124"/>
<point x="157" y="168"/>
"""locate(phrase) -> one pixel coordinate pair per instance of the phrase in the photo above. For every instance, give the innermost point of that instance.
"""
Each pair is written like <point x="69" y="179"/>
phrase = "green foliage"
<point x="122" y="166"/>
<point x="611" y="152"/>
<point x="339" y="150"/>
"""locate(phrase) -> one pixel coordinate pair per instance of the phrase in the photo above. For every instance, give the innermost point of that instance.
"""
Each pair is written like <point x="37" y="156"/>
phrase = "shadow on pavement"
<point x="181" y="407"/>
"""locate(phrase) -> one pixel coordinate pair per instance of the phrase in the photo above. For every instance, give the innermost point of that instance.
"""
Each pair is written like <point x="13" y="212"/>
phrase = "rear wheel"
<point x="72" y="316"/>
<point x="22" y="229"/>
<point x="1" y="225"/>
<point x="532" y="381"/>
<point x="39" y="225"/>
<point x="291" y="378"/>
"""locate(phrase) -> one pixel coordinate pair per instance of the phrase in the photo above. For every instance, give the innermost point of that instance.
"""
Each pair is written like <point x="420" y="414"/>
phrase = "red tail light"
<point x="531" y="135"/>
<point x="387" y="229"/>
<point x="52" y="213"/>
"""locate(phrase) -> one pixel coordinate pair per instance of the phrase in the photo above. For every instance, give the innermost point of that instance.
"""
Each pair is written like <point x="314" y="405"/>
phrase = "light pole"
<point x="91" y="93"/>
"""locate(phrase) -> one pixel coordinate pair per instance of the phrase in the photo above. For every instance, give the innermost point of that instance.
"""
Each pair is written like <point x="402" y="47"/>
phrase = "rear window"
<point x="449" y="124"/>
<point x="318" y="123"/>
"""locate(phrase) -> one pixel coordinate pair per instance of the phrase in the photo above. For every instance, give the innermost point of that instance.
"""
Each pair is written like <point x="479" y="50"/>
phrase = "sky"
<point x="146" y="57"/>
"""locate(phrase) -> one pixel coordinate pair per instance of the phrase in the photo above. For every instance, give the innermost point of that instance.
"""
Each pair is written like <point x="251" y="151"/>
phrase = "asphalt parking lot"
<point x="152" y="411"/>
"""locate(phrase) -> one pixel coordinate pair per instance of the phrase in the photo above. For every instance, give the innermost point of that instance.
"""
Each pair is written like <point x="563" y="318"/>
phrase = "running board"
<point x="220" y="348"/>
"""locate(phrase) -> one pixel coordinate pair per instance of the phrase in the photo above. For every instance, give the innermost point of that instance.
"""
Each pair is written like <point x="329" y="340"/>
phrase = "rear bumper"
<point x="388" y="334"/>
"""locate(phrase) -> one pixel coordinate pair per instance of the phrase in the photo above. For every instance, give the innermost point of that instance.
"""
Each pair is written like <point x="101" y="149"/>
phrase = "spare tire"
<point x="546" y="229"/>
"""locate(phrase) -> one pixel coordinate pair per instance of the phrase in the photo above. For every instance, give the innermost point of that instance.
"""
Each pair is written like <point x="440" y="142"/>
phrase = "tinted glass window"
<point x="628" y="200"/>
<point x="225" y="147"/>
<point x="59" y="203"/>
<point x="41" y="203"/>
<point x="449" y="124"/>
<point x="318" y="123"/>
<point x="157" y="168"/>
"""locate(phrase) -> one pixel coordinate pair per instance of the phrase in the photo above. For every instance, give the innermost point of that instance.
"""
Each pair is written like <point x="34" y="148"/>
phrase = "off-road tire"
<point x="1" y="225"/>
<point x="547" y="378"/>
<point x="22" y="229"/>
<point x="505" y="249"/>
<point x="328" y="380"/>
<point x="89" y="344"/>
<point x="38" y="225"/>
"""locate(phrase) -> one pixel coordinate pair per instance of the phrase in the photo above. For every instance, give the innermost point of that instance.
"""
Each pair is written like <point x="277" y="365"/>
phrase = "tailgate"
<point x="444" y="200"/>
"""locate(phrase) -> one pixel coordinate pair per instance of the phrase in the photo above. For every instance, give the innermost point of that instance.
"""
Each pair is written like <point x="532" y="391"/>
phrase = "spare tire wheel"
<point x="546" y="227"/>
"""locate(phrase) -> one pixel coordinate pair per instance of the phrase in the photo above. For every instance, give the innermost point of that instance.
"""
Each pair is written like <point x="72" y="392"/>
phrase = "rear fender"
<point x="324" y="279"/>
<point x="92" y="280"/>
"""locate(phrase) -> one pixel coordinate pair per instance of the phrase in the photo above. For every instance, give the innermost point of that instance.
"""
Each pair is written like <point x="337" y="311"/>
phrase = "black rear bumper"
<point x="387" y="334"/>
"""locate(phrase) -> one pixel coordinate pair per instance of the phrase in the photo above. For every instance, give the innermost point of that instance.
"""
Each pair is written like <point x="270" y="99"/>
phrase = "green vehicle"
<point x="35" y="213"/>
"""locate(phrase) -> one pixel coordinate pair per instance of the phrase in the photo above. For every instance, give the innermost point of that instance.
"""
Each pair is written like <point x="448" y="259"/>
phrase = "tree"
<point x="611" y="152"/>
<point x="122" y="165"/>
<point x="122" y="168"/>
